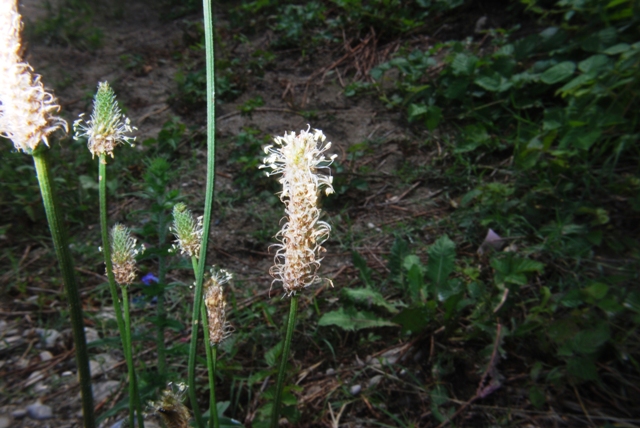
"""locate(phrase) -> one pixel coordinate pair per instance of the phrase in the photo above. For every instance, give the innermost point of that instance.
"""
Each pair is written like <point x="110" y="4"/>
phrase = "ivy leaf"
<point x="351" y="320"/>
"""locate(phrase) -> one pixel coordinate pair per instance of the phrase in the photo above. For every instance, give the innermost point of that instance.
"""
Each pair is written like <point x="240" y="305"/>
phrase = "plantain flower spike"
<point x="107" y="127"/>
<point x="173" y="412"/>
<point x="187" y="230"/>
<point x="298" y="159"/>
<point x="123" y="254"/>
<point x="219" y="328"/>
<point x="27" y="111"/>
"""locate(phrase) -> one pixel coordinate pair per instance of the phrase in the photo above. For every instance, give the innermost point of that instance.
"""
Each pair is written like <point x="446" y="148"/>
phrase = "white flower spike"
<point x="299" y="160"/>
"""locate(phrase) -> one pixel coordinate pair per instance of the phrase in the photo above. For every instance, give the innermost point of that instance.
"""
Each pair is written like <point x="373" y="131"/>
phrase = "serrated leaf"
<point x="352" y="320"/>
<point x="369" y="297"/>
<point x="442" y="256"/>
<point x="558" y="72"/>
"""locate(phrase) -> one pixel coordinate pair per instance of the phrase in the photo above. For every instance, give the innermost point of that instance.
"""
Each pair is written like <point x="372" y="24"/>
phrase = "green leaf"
<point x="593" y="64"/>
<point x="589" y="341"/>
<point x="417" y="318"/>
<point x="583" y="368"/>
<point x="558" y="72"/>
<point x="351" y="320"/>
<point x="596" y="291"/>
<point x="369" y="297"/>
<point x="434" y="115"/>
<point x="414" y="111"/>
<point x="416" y="282"/>
<point x="617" y="49"/>
<point x="463" y="64"/>
<point x="399" y="251"/>
<point x="271" y="356"/>
<point x="537" y="397"/>
<point x="361" y="264"/>
<point x="442" y="256"/>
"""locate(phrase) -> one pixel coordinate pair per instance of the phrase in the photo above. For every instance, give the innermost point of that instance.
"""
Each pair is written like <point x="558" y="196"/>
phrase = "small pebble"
<point x="19" y="413"/>
<point x="48" y="336"/>
<point x="102" y="390"/>
<point x="375" y="380"/>
<point x="5" y="421"/>
<point x="45" y="356"/>
<point x="355" y="389"/>
<point x="91" y="334"/>
<point x="39" y="411"/>
<point x="101" y="363"/>
<point x="330" y="372"/>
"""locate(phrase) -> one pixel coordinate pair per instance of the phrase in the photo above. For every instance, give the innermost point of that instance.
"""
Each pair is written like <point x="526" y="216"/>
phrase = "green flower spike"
<point x="107" y="127"/>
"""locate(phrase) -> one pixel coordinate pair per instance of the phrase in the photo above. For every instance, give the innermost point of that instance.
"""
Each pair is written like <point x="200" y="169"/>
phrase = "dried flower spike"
<point x="26" y="109"/>
<point x="107" y="127"/>
<point x="219" y="328"/>
<point x="187" y="230"/>
<point x="123" y="254"/>
<point x="170" y="407"/>
<point x="298" y="158"/>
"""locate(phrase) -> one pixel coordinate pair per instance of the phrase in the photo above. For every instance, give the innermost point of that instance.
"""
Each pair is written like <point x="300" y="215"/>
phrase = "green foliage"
<point x="68" y="23"/>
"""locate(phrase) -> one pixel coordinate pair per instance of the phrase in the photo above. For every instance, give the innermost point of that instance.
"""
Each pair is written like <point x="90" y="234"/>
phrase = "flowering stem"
<point x="71" y="287"/>
<point x="293" y="312"/>
<point x="211" y="152"/>
<point x="134" y="402"/>
<point x="133" y="383"/>
<point x="212" y="355"/>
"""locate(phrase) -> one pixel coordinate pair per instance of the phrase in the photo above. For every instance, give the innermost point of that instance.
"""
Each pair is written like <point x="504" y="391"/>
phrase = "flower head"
<point x="187" y="230"/>
<point x="299" y="159"/>
<point x="123" y="254"/>
<point x="26" y="109"/>
<point x="170" y="407"/>
<point x="219" y="328"/>
<point x="107" y="127"/>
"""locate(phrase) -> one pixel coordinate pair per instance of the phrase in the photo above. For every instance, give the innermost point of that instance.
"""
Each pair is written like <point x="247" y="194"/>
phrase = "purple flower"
<point x="149" y="278"/>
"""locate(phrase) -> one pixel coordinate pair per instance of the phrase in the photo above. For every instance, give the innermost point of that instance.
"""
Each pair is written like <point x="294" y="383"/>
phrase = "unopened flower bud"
<point x="107" y="127"/>
<point x="187" y="230"/>
<point x="123" y="254"/>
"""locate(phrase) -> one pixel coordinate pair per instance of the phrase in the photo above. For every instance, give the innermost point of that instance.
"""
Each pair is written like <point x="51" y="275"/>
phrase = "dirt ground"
<point x="286" y="87"/>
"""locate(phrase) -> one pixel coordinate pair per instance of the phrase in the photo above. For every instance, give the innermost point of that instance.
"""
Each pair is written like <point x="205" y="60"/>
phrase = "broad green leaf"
<point x="537" y="397"/>
<point x="617" y="49"/>
<point x="589" y="341"/>
<point x="493" y="83"/>
<point x="414" y="111"/>
<point x="351" y="320"/>
<point x="463" y="64"/>
<point x="558" y="72"/>
<point x="593" y="64"/>
<point x="434" y="115"/>
<point x="583" y="368"/>
<point x="399" y="251"/>
<point x="369" y="297"/>
<point x="417" y="318"/>
<point x="596" y="291"/>
<point x="442" y="256"/>
<point x="416" y="282"/>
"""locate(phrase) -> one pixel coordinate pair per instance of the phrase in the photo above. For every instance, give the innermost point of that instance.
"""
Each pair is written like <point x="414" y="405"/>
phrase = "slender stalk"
<point x="197" y="302"/>
<point x="212" y="356"/>
<point x="134" y="402"/>
<point x="133" y="383"/>
<point x="58" y="235"/>
<point x="160" y="309"/>
<point x="293" y="312"/>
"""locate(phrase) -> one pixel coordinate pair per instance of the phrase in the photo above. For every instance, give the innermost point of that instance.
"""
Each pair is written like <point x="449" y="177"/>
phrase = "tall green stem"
<point x="212" y="355"/>
<point x="211" y="151"/>
<point x="133" y="383"/>
<point x="71" y="287"/>
<point x="134" y="400"/>
<point x="160" y="309"/>
<point x="291" y="322"/>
